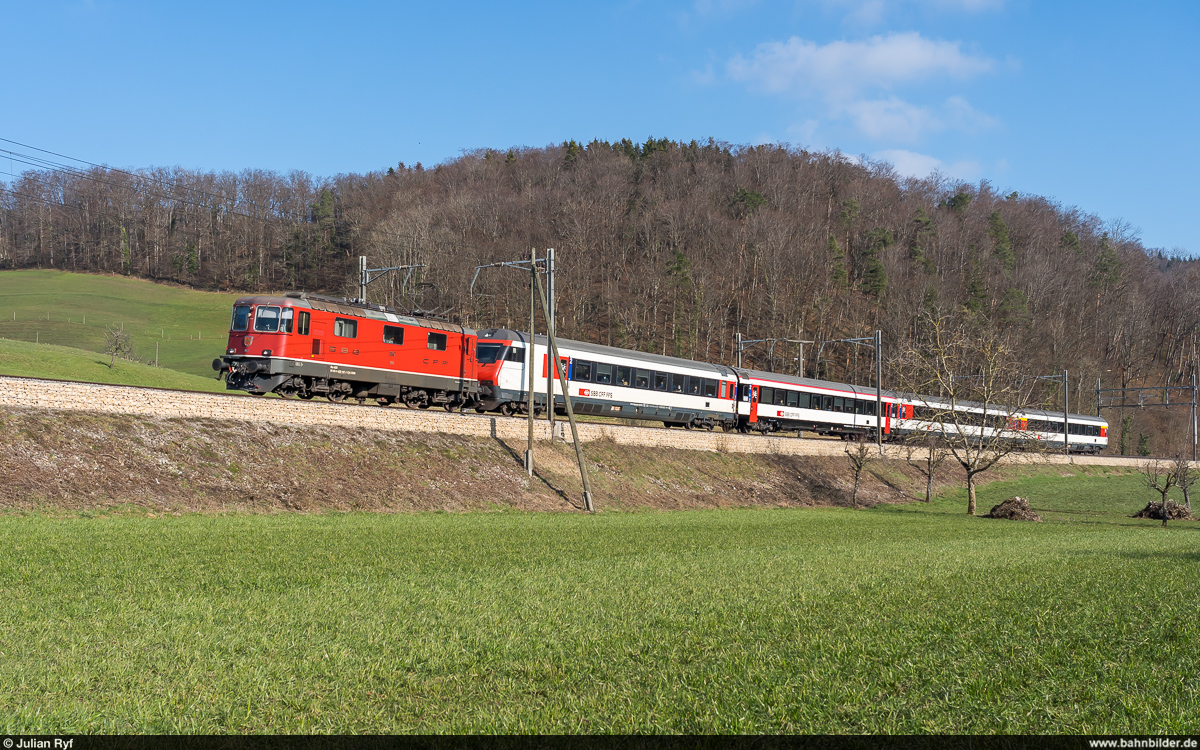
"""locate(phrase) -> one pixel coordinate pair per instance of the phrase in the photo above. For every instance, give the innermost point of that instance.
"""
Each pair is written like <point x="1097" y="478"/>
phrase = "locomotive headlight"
<point x="266" y="352"/>
<point x="230" y="350"/>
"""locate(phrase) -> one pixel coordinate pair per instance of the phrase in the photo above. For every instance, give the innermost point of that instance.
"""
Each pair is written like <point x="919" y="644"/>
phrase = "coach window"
<point x="827" y="403"/>
<point x="793" y="399"/>
<point x="624" y="376"/>
<point x="802" y="400"/>
<point x="347" y="329"/>
<point x="660" y="381"/>
<point x="603" y="373"/>
<point x="393" y="335"/>
<point x="677" y="383"/>
<point x="781" y="397"/>
<point x="582" y="371"/>
<point x="241" y="318"/>
<point x="515" y="354"/>
<point x="766" y="395"/>
<point x="745" y="392"/>
<point x="437" y="342"/>
<point x="266" y="319"/>
<point x="710" y="388"/>
<point x="302" y="323"/>
<point x="641" y="379"/>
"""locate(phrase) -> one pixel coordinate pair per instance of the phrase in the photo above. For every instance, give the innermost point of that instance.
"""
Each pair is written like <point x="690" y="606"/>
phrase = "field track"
<point x="165" y="403"/>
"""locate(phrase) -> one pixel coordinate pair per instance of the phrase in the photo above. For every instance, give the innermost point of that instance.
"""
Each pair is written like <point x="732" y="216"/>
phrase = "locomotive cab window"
<point x="395" y="335"/>
<point x="345" y="328"/>
<point x="486" y="354"/>
<point x="241" y="318"/>
<point x="302" y="323"/>
<point x="437" y="342"/>
<point x="285" y="319"/>
<point x="266" y="319"/>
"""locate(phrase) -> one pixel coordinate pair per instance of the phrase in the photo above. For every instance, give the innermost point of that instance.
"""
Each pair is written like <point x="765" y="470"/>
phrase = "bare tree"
<point x="1185" y="476"/>
<point x="117" y="343"/>
<point x="925" y="452"/>
<point x="978" y="394"/>
<point x="861" y="455"/>
<point x="1160" y="477"/>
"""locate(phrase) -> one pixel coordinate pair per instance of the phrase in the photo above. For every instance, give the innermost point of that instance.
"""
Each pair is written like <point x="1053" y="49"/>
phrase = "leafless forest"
<point x="661" y="246"/>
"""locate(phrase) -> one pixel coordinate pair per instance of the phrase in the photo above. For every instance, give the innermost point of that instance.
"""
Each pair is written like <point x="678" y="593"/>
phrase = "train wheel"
<point x="385" y="401"/>
<point x="305" y="396"/>
<point x="336" y="396"/>
<point x="507" y="409"/>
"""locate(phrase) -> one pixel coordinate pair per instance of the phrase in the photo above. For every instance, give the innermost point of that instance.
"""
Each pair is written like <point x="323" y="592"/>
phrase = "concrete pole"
<point x="1066" y="412"/>
<point x="529" y="354"/>
<point x="549" y="312"/>
<point x="552" y="353"/>
<point x="362" y="278"/>
<point x="879" y="389"/>
<point x="737" y="348"/>
<point x="1193" y="416"/>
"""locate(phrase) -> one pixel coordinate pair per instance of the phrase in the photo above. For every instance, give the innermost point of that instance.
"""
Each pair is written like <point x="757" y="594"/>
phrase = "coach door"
<point x="753" y="404"/>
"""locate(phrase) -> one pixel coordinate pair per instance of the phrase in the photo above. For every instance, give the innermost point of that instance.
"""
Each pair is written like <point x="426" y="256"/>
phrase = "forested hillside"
<point x="662" y="246"/>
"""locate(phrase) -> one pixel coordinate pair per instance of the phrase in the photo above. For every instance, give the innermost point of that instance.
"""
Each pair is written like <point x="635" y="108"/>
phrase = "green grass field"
<point x="74" y="310"/>
<point x="898" y="619"/>
<point x="25" y="359"/>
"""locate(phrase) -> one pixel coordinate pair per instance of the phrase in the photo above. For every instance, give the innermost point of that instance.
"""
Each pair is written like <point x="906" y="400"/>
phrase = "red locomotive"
<point x="309" y="345"/>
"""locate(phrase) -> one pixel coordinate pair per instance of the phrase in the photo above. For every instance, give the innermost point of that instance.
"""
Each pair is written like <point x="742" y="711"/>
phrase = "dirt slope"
<point x="75" y="461"/>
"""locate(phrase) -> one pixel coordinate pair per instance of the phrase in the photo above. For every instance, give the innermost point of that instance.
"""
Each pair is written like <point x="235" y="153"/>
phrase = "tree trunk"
<point x="970" y="494"/>
<point x="929" y="486"/>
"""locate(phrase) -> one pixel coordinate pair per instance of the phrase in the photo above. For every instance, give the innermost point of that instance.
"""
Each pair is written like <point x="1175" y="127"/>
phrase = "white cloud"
<point x="840" y="70"/>
<point x="913" y="164"/>
<point x="874" y="12"/>
<point x="892" y="118"/>
<point x="850" y="76"/>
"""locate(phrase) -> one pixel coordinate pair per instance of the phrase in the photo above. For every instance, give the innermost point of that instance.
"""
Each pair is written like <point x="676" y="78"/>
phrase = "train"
<point x="305" y="345"/>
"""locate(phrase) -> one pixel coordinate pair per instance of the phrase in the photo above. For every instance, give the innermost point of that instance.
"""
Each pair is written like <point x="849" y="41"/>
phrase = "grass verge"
<point x="29" y="360"/>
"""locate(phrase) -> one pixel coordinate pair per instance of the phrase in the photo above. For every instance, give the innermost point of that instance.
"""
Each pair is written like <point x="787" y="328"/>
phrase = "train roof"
<point x="608" y="351"/>
<point x="353" y="307"/>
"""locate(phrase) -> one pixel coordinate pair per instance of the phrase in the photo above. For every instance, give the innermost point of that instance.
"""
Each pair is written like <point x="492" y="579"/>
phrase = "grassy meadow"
<point x="73" y="310"/>
<point x="912" y="618"/>
<point x="29" y="360"/>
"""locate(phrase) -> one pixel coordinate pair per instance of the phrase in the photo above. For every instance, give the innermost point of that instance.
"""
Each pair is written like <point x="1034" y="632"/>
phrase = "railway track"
<point x="165" y="403"/>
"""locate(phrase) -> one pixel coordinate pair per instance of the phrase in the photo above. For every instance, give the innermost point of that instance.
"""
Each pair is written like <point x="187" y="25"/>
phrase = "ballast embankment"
<point x="171" y="404"/>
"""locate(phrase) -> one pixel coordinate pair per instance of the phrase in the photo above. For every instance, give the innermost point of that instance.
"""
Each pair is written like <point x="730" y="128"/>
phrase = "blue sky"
<point x="1092" y="104"/>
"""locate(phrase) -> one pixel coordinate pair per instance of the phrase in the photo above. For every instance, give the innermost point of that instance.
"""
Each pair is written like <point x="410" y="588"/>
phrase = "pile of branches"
<point x="1175" y="512"/>
<point x="1014" y="509"/>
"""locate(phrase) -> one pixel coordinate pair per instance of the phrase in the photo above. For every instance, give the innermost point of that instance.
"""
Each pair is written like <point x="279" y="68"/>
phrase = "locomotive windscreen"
<point x="486" y="354"/>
